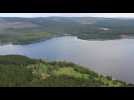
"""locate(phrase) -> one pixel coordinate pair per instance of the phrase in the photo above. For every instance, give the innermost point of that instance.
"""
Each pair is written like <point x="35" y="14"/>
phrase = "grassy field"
<point x="20" y="71"/>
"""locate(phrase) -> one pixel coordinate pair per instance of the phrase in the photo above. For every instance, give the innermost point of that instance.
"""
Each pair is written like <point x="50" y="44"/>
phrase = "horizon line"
<point x="61" y="16"/>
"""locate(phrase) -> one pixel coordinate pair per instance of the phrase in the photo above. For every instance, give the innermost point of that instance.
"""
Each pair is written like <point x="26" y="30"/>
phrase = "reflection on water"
<point x="111" y="57"/>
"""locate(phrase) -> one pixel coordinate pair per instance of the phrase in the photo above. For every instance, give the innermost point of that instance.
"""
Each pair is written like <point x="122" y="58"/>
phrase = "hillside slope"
<point x="20" y="71"/>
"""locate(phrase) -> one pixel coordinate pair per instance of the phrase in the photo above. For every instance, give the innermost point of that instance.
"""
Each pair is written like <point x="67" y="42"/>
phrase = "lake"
<point x="110" y="57"/>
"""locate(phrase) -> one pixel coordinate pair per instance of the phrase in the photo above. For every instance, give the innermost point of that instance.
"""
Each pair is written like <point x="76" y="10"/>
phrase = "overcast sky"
<point x="129" y="15"/>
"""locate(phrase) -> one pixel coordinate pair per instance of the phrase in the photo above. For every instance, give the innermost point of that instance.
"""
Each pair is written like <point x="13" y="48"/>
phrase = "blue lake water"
<point x="109" y="57"/>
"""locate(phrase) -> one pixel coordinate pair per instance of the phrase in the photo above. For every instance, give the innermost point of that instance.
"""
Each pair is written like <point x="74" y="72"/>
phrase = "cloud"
<point x="129" y="15"/>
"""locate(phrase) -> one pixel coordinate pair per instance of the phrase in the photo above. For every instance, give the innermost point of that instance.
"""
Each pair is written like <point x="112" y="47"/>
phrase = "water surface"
<point x="110" y="57"/>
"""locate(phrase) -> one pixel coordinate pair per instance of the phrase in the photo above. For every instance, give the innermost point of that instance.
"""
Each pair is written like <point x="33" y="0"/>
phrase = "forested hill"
<point x="26" y="30"/>
<point x="21" y="71"/>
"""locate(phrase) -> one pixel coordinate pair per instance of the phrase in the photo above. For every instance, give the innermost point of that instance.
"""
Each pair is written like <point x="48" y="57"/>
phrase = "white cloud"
<point x="130" y="15"/>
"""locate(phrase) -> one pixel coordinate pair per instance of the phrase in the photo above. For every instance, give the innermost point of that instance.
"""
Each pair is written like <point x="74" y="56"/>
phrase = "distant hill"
<point x="82" y="27"/>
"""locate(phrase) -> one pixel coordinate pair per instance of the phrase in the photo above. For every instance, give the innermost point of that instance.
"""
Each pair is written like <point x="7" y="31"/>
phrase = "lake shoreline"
<point x="102" y="56"/>
<point x="57" y="35"/>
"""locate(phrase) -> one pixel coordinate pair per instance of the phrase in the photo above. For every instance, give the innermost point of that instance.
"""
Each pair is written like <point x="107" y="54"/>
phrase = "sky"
<point x="109" y="15"/>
